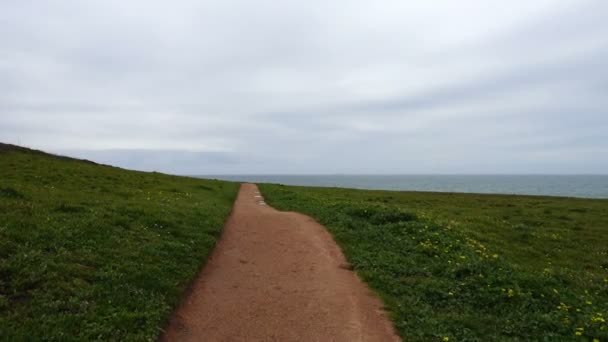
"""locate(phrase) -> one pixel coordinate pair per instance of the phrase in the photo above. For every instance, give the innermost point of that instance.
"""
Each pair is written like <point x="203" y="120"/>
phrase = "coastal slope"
<point x="93" y="252"/>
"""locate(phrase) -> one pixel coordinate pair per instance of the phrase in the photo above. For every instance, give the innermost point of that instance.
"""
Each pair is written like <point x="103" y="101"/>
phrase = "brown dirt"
<point x="277" y="276"/>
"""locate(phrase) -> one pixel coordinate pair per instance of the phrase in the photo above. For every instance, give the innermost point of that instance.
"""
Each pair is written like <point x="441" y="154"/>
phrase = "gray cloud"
<point x="310" y="87"/>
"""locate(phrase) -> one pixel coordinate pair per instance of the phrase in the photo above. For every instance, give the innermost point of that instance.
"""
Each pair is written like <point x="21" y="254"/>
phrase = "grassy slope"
<point x="472" y="267"/>
<point x="96" y="252"/>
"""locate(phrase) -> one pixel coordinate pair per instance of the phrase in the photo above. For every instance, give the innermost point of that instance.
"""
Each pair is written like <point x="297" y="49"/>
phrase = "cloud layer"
<point x="310" y="87"/>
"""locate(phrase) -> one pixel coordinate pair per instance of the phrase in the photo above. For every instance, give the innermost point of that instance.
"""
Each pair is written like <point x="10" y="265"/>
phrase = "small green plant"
<point x="8" y="192"/>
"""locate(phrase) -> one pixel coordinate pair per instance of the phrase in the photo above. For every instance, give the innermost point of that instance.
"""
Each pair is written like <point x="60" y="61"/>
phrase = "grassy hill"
<point x="93" y="252"/>
<point x="468" y="267"/>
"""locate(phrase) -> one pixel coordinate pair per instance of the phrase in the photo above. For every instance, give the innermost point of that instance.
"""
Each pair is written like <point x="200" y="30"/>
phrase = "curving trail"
<point x="277" y="276"/>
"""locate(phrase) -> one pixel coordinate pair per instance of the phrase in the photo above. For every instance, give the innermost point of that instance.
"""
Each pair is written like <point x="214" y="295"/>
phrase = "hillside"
<point x="93" y="252"/>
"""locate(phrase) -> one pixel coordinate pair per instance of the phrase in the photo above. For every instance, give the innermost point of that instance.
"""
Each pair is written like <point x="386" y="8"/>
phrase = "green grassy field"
<point x="91" y="252"/>
<point x="467" y="267"/>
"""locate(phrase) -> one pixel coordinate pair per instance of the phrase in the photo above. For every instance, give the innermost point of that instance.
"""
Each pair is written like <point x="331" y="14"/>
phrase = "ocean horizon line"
<point x="563" y="185"/>
<point x="394" y="174"/>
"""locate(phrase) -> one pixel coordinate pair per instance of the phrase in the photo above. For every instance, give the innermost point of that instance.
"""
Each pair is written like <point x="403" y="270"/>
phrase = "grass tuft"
<point x="8" y="192"/>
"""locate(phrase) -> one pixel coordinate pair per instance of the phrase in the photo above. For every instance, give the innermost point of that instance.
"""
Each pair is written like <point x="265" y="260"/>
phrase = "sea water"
<point x="589" y="186"/>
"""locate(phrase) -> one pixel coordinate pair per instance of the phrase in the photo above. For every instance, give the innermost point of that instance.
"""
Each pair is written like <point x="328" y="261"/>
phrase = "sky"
<point x="310" y="87"/>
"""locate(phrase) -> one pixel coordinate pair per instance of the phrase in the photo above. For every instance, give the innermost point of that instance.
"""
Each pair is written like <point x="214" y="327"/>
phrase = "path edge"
<point x="171" y="318"/>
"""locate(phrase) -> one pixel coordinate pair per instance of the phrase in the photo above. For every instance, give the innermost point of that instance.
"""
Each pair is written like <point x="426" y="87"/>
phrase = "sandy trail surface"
<point x="277" y="276"/>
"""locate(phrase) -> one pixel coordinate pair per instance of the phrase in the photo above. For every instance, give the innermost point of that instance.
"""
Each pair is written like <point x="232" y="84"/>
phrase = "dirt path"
<point x="277" y="276"/>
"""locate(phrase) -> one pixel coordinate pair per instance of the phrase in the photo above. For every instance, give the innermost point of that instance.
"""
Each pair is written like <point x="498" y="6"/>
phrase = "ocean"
<point x="587" y="186"/>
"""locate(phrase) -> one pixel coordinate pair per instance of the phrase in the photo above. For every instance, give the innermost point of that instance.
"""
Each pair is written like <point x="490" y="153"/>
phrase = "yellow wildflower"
<point x="446" y="339"/>
<point x="598" y="318"/>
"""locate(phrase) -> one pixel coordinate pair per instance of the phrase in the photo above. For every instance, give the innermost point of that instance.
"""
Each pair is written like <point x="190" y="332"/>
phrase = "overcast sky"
<point x="242" y="87"/>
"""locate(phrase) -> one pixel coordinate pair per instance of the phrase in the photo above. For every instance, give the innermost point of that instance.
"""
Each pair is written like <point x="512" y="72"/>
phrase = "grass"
<point x="468" y="267"/>
<point x="92" y="252"/>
